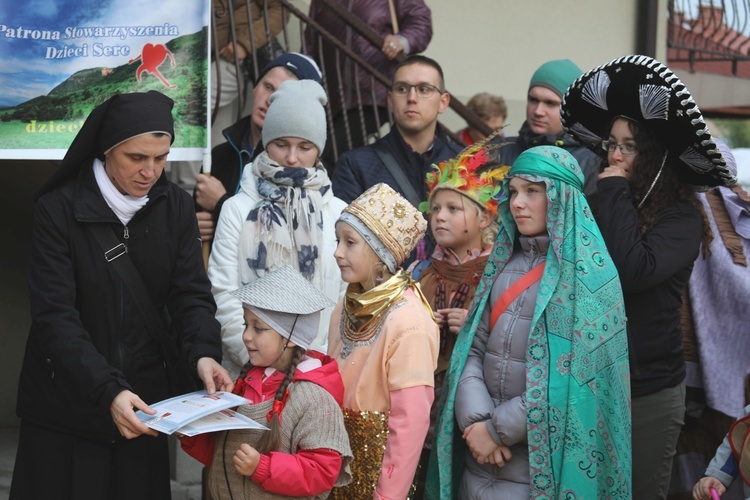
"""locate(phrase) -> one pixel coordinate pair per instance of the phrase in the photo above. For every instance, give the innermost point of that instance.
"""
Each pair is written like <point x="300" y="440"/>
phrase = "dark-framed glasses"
<point x="424" y="90"/>
<point x="627" y="149"/>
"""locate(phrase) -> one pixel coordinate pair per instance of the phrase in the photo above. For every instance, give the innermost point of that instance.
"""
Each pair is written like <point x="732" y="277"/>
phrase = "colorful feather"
<point x="468" y="174"/>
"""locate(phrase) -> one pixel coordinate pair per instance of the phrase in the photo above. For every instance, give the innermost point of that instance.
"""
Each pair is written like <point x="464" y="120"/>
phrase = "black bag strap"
<point x="398" y="174"/>
<point x="116" y="253"/>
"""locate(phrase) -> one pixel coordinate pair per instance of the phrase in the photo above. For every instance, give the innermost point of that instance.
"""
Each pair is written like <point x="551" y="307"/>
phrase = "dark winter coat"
<point x="88" y="341"/>
<point x="654" y="271"/>
<point x="589" y="162"/>
<point x="228" y="159"/>
<point x="360" y="169"/>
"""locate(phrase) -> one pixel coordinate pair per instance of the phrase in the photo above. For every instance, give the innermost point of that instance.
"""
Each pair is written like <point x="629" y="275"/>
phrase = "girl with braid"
<point x="296" y="392"/>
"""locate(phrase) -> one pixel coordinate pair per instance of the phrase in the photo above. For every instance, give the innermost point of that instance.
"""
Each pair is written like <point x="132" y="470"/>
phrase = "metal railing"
<point x="356" y="122"/>
<point x="709" y="31"/>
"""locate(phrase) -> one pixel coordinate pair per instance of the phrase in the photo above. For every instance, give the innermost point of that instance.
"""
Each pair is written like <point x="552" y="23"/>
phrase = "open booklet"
<point x="198" y="412"/>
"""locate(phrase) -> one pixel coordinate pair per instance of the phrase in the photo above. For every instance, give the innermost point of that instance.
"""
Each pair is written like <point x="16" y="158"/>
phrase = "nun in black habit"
<point x="91" y="359"/>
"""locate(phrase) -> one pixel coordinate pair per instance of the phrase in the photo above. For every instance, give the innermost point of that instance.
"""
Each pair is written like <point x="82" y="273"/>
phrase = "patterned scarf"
<point x="577" y="373"/>
<point x="286" y="226"/>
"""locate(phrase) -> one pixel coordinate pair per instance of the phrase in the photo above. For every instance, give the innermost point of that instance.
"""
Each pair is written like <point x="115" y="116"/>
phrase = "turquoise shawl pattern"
<point x="577" y="371"/>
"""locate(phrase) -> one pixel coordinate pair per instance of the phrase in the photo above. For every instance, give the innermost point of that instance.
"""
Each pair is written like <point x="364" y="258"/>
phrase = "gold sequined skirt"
<point x="368" y="433"/>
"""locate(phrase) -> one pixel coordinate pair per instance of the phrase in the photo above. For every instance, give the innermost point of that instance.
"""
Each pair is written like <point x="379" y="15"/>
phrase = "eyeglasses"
<point x="627" y="149"/>
<point x="424" y="90"/>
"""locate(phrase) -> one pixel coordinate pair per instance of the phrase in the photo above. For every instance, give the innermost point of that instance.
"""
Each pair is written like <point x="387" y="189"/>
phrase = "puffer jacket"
<point x="415" y="27"/>
<point x="589" y="162"/>
<point x="224" y="265"/>
<point x="88" y="341"/>
<point x="492" y="386"/>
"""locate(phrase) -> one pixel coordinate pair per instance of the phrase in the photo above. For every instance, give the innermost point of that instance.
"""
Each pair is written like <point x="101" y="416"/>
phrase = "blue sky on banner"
<point x="32" y="66"/>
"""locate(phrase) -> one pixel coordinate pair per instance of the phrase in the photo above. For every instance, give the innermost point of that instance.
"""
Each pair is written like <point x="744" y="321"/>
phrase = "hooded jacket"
<point x="228" y="160"/>
<point x="302" y="472"/>
<point x="88" y="341"/>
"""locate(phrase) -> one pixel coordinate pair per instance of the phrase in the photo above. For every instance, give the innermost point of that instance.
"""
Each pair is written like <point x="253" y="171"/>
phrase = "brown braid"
<point x="243" y="372"/>
<point x="270" y="440"/>
<point x="669" y="189"/>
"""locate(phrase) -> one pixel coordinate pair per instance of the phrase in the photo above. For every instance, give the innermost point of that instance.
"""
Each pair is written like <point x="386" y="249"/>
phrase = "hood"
<point x="327" y="376"/>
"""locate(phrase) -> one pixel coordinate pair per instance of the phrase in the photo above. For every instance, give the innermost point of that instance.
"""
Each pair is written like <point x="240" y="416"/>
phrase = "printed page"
<point x="223" y="420"/>
<point x="173" y="413"/>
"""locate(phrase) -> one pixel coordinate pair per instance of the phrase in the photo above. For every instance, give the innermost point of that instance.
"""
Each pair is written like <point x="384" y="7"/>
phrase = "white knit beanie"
<point x="297" y="110"/>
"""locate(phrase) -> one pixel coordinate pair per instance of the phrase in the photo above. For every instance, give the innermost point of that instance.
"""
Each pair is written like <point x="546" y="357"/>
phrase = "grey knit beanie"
<point x="297" y="110"/>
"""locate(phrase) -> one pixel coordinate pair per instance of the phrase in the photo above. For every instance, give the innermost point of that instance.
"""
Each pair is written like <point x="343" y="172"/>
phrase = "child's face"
<point x="456" y="222"/>
<point x="355" y="258"/>
<point x="528" y="205"/>
<point x="264" y="344"/>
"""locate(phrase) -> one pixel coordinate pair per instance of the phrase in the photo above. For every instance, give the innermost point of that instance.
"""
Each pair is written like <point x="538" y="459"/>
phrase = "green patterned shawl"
<point x="577" y="372"/>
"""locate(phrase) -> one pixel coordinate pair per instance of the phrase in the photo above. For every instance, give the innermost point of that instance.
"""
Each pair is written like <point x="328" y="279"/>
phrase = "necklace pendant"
<point x="346" y="351"/>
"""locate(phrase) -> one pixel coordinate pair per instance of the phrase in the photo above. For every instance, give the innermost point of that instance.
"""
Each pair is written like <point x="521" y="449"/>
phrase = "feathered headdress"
<point x="472" y="173"/>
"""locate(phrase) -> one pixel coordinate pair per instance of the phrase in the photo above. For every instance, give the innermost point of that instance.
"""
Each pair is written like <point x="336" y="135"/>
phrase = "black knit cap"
<point x="119" y="118"/>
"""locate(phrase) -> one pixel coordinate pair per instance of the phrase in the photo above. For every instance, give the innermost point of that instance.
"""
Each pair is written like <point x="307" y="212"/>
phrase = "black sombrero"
<point x="646" y="91"/>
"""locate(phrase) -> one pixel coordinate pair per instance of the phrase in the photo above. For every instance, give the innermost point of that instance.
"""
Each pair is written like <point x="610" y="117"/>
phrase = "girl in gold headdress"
<point x="385" y="339"/>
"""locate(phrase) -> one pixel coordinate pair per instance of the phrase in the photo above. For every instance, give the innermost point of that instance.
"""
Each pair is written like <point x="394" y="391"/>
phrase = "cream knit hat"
<point x="297" y="110"/>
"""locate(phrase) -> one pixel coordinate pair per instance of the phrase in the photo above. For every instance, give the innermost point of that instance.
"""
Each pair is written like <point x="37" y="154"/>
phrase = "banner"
<point x="62" y="58"/>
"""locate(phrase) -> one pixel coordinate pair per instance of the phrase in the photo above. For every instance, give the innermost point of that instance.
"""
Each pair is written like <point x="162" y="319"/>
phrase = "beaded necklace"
<point x="352" y="338"/>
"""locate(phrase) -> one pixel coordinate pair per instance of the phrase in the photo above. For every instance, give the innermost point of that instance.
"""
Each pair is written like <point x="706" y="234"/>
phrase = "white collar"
<point x="123" y="205"/>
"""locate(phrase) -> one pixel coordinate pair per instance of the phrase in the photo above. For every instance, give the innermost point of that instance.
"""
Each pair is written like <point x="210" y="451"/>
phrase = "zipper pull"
<point x="126" y="235"/>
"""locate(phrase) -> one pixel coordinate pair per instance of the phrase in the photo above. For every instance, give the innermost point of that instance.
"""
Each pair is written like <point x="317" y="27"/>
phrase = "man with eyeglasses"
<point x="543" y="125"/>
<point x="416" y="98"/>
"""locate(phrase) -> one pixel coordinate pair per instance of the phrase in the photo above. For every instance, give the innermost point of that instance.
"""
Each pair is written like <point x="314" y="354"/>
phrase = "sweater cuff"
<point x="263" y="471"/>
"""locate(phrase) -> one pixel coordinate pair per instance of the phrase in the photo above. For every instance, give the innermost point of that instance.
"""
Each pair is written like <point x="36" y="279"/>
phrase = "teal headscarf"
<point x="577" y="372"/>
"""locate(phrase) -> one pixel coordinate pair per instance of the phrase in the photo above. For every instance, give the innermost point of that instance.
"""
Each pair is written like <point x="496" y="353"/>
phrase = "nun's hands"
<point x="214" y="376"/>
<point x="124" y="417"/>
